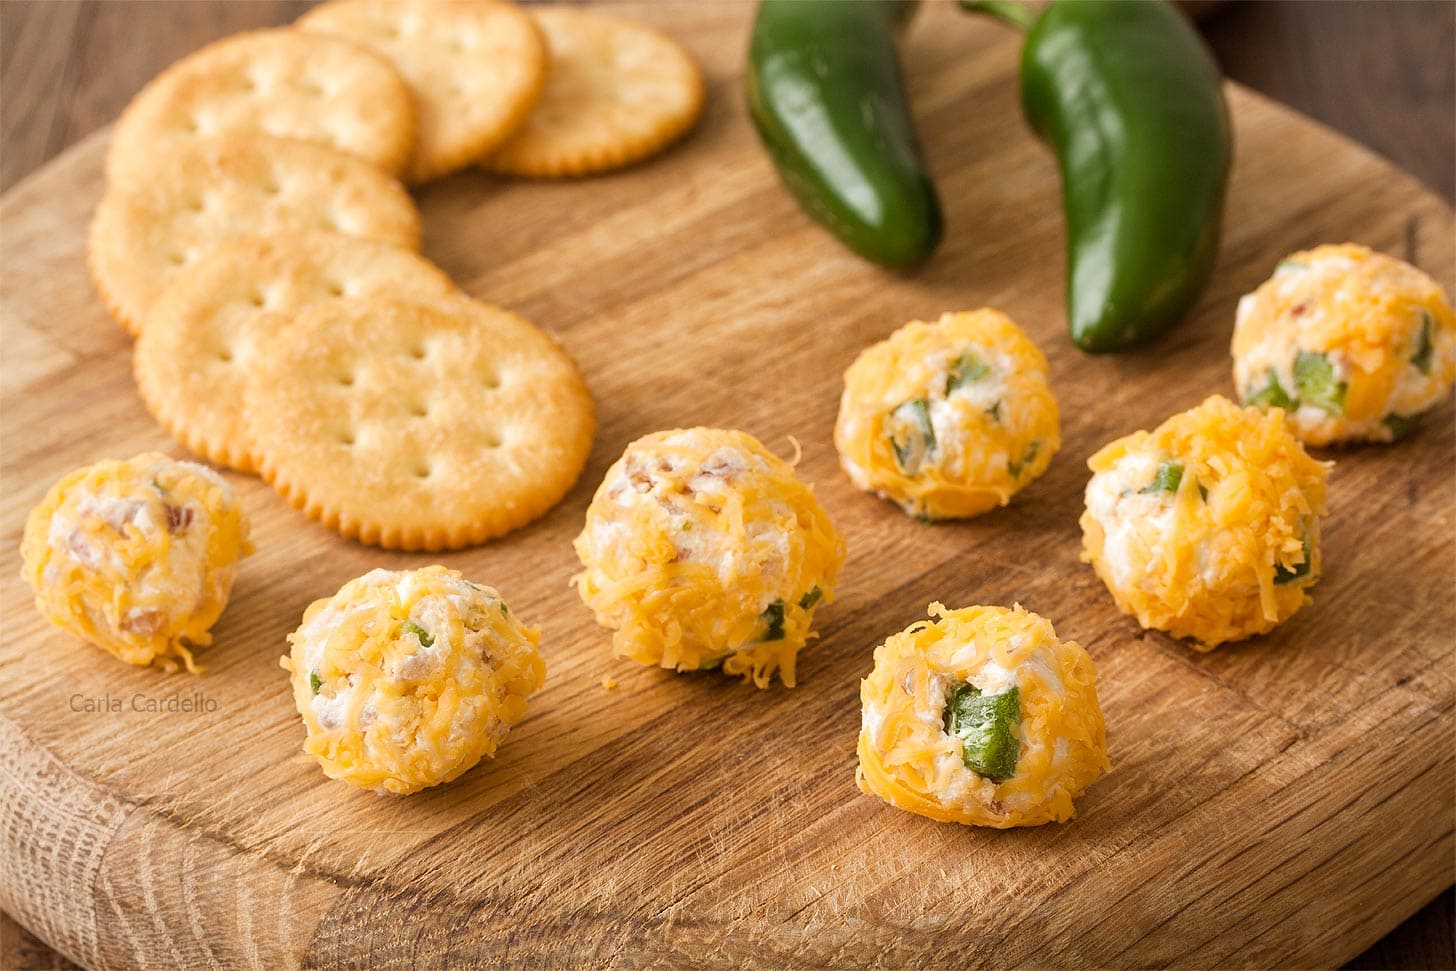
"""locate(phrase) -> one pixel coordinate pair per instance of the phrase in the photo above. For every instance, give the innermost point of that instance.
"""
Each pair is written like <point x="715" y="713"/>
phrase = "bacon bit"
<point x="1299" y="309"/>
<point x="143" y="622"/>
<point x="638" y="475"/>
<point x="720" y="467"/>
<point x="179" y="518"/>
<point x="717" y="466"/>
<point x="643" y="478"/>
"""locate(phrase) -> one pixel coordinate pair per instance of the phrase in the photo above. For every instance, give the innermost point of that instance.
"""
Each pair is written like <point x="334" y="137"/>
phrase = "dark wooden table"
<point x="1380" y="72"/>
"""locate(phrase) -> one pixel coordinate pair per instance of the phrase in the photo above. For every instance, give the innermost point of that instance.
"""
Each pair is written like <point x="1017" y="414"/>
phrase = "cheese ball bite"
<point x="703" y="550"/>
<point x="136" y="556"/>
<point x="949" y="419"/>
<point x="405" y="679"/>
<point x="1208" y="526"/>
<point x="1352" y="344"/>
<point x="981" y="716"/>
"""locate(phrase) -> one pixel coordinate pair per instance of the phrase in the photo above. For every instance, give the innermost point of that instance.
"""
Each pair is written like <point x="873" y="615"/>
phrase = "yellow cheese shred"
<point x="94" y="574"/>
<point x="1212" y="577"/>
<point x="769" y="545"/>
<point x="417" y="731"/>
<point x="907" y="758"/>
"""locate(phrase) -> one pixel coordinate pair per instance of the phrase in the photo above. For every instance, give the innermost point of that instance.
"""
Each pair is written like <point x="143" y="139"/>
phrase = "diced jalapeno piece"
<point x="995" y="412"/>
<point x="911" y="434"/>
<point x="1315" y="382"/>
<point x="1167" y="479"/>
<point x="1290" y="266"/>
<point x="1271" y="395"/>
<point x="1422" y="357"/>
<point x="426" y="638"/>
<point x="811" y="598"/>
<point x="987" y="726"/>
<point x="964" y="371"/>
<point x="314" y="682"/>
<point x="1015" y="467"/>
<point x="1400" y="425"/>
<point x="1284" y="574"/>
<point x="773" y="619"/>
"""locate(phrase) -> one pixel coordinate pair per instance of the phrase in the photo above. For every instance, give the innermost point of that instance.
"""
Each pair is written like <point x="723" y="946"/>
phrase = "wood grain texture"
<point x="1281" y="802"/>
<point x="69" y="66"/>
<point x="1379" y="72"/>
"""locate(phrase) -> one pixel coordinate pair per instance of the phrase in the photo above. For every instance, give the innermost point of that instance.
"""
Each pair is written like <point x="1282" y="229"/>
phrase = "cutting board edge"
<point x="335" y="931"/>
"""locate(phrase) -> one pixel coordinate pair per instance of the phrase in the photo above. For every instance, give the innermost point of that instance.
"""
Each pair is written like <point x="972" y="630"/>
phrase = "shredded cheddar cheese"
<point x="407" y="679"/>
<point x="137" y="556"/>
<point x="1227" y="552"/>
<point x="1351" y="343"/>
<point x="908" y="758"/>
<point x="948" y="419"/>
<point x="703" y="549"/>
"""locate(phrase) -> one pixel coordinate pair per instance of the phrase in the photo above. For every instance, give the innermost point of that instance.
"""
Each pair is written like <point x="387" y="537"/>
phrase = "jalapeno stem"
<point x="1009" y="12"/>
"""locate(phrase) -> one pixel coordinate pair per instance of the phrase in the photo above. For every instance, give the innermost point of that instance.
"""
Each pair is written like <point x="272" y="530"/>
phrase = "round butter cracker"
<point x="145" y="232"/>
<point x="196" y="344"/>
<point x="475" y="66"/>
<point x="616" y="92"/>
<point x="417" y="426"/>
<point x="280" y="82"/>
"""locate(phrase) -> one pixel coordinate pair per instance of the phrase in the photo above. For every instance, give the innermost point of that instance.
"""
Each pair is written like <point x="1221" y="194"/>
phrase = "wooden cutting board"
<point x="1282" y="802"/>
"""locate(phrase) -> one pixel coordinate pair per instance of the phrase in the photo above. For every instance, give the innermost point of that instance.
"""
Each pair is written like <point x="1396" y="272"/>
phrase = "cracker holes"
<point x="179" y="257"/>
<point x="493" y="440"/>
<point x="419" y="352"/>
<point x="256" y="298"/>
<point x="224" y="355"/>
<point x="311" y="88"/>
<point x="335" y="288"/>
<point x="422" y="469"/>
<point x="345" y="379"/>
<point x="491" y="379"/>
<point x="419" y="409"/>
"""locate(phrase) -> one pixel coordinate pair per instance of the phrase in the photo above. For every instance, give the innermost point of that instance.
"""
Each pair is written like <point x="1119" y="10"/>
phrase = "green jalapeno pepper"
<point x="825" y="94"/>
<point x="1130" y="99"/>
<point x="988" y="727"/>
